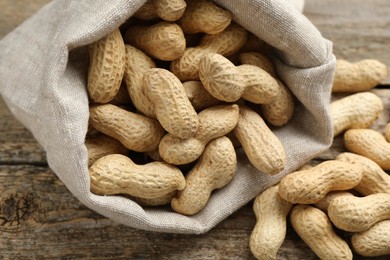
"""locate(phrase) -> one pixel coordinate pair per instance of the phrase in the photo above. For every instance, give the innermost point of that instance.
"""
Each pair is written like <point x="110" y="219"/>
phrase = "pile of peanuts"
<point x="179" y="86"/>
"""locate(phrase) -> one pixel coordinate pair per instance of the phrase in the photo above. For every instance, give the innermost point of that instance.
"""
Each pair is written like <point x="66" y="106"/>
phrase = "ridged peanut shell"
<point x="374" y="179"/>
<point x="171" y="105"/>
<point x="214" y="170"/>
<point x="221" y="78"/>
<point x="204" y="16"/>
<point x="312" y="185"/>
<point x="159" y="201"/>
<point x="198" y="95"/>
<point x="324" y="203"/>
<point x="164" y="40"/>
<point x="136" y="132"/>
<point x="374" y="241"/>
<point x="170" y="10"/>
<point x="357" y="77"/>
<point x="118" y="174"/>
<point x="369" y="143"/>
<point x="357" y="214"/>
<point x="147" y="11"/>
<point x="260" y="60"/>
<point x="314" y="227"/>
<point x="137" y="63"/>
<point x="214" y="122"/>
<point x="270" y="230"/>
<point x="262" y="147"/>
<point x="355" y="111"/>
<point x="106" y="68"/>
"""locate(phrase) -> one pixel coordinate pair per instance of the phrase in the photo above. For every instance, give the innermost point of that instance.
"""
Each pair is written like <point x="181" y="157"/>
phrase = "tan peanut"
<point x="357" y="77"/>
<point x="101" y="145"/>
<point x="171" y="105"/>
<point x="168" y="10"/>
<point x="357" y="214"/>
<point x="226" y="82"/>
<point x="164" y="40"/>
<point x="314" y="227"/>
<point x="270" y="230"/>
<point x="159" y="201"/>
<point x="374" y="179"/>
<point x="225" y="43"/>
<point x="387" y="132"/>
<point x="323" y="204"/>
<point x="198" y="95"/>
<point x="355" y="111"/>
<point x="369" y="143"/>
<point x="262" y="147"/>
<point x="122" y="97"/>
<point x="137" y="63"/>
<point x="118" y="174"/>
<point x="310" y="186"/>
<point x="374" y="241"/>
<point x="260" y="60"/>
<point x="107" y="66"/>
<point x="134" y="131"/>
<point x="214" y="122"/>
<point x="214" y="170"/>
<point x="204" y="16"/>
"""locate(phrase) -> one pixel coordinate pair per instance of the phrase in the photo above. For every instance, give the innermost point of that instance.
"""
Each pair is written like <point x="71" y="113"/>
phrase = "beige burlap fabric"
<point x="43" y="67"/>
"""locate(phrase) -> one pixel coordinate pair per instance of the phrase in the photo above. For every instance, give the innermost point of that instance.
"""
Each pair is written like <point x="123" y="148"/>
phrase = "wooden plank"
<point x="359" y="29"/>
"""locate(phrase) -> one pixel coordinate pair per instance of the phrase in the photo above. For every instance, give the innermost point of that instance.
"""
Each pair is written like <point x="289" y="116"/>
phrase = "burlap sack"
<point x="43" y="67"/>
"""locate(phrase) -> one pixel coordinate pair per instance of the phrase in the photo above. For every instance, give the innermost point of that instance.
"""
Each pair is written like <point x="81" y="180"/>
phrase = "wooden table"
<point x="40" y="219"/>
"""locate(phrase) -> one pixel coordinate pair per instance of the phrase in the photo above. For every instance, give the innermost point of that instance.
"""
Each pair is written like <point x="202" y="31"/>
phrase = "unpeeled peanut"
<point x="355" y="111"/>
<point x="357" y="77"/>
<point x="107" y="66"/>
<point x="270" y="230"/>
<point x="214" y="170"/>
<point x="324" y="203"/>
<point x="198" y="95"/>
<point x="168" y="10"/>
<point x="164" y="40"/>
<point x="262" y="147"/>
<point x="226" y="82"/>
<point x="171" y="105"/>
<point x="118" y="174"/>
<point x="225" y="43"/>
<point x="310" y="186"/>
<point x="260" y="60"/>
<point x="374" y="179"/>
<point x="136" y="132"/>
<point x="158" y="201"/>
<point x="137" y="63"/>
<point x="204" y="16"/>
<point x="357" y="214"/>
<point x="214" y="122"/>
<point x="369" y="143"/>
<point x="101" y="145"/>
<point x="314" y="227"/>
<point x="373" y="242"/>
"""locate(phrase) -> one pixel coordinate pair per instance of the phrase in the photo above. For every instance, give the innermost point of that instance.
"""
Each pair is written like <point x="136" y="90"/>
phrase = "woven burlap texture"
<point x="43" y="68"/>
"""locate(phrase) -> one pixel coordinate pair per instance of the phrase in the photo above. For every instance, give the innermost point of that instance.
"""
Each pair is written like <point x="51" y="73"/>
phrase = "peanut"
<point x="214" y="170"/>
<point x="357" y="214"/>
<point x="226" y="82"/>
<point x="122" y="97"/>
<point x="323" y="204"/>
<point x="369" y="143"/>
<point x="387" y="132"/>
<point x="164" y="40"/>
<point x="134" y="131"/>
<point x="137" y="63"/>
<point x="107" y="66"/>
<point x="118" y="174"/>
<point x="101" y="145"/>
<point x="270" y="229"/>
<point x="214" y="122"/>
<point x="168" y="10"/>
<point x="198" y="95"/>
<point x="374" y="241"/>
<point x="357" y="77"/>
<point x="374" y="179"/>
<point x="310" y="186"/>
<point x="262" y="147"/>
<point x="171" y="105"/>
<point x="355" y="111"/>
<point x="204" y="16"/>
<point x="314" y="227"/>
<point x="225" y="43"/>
<point x="260" y="60"/>
<point x="159" y="201"/>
